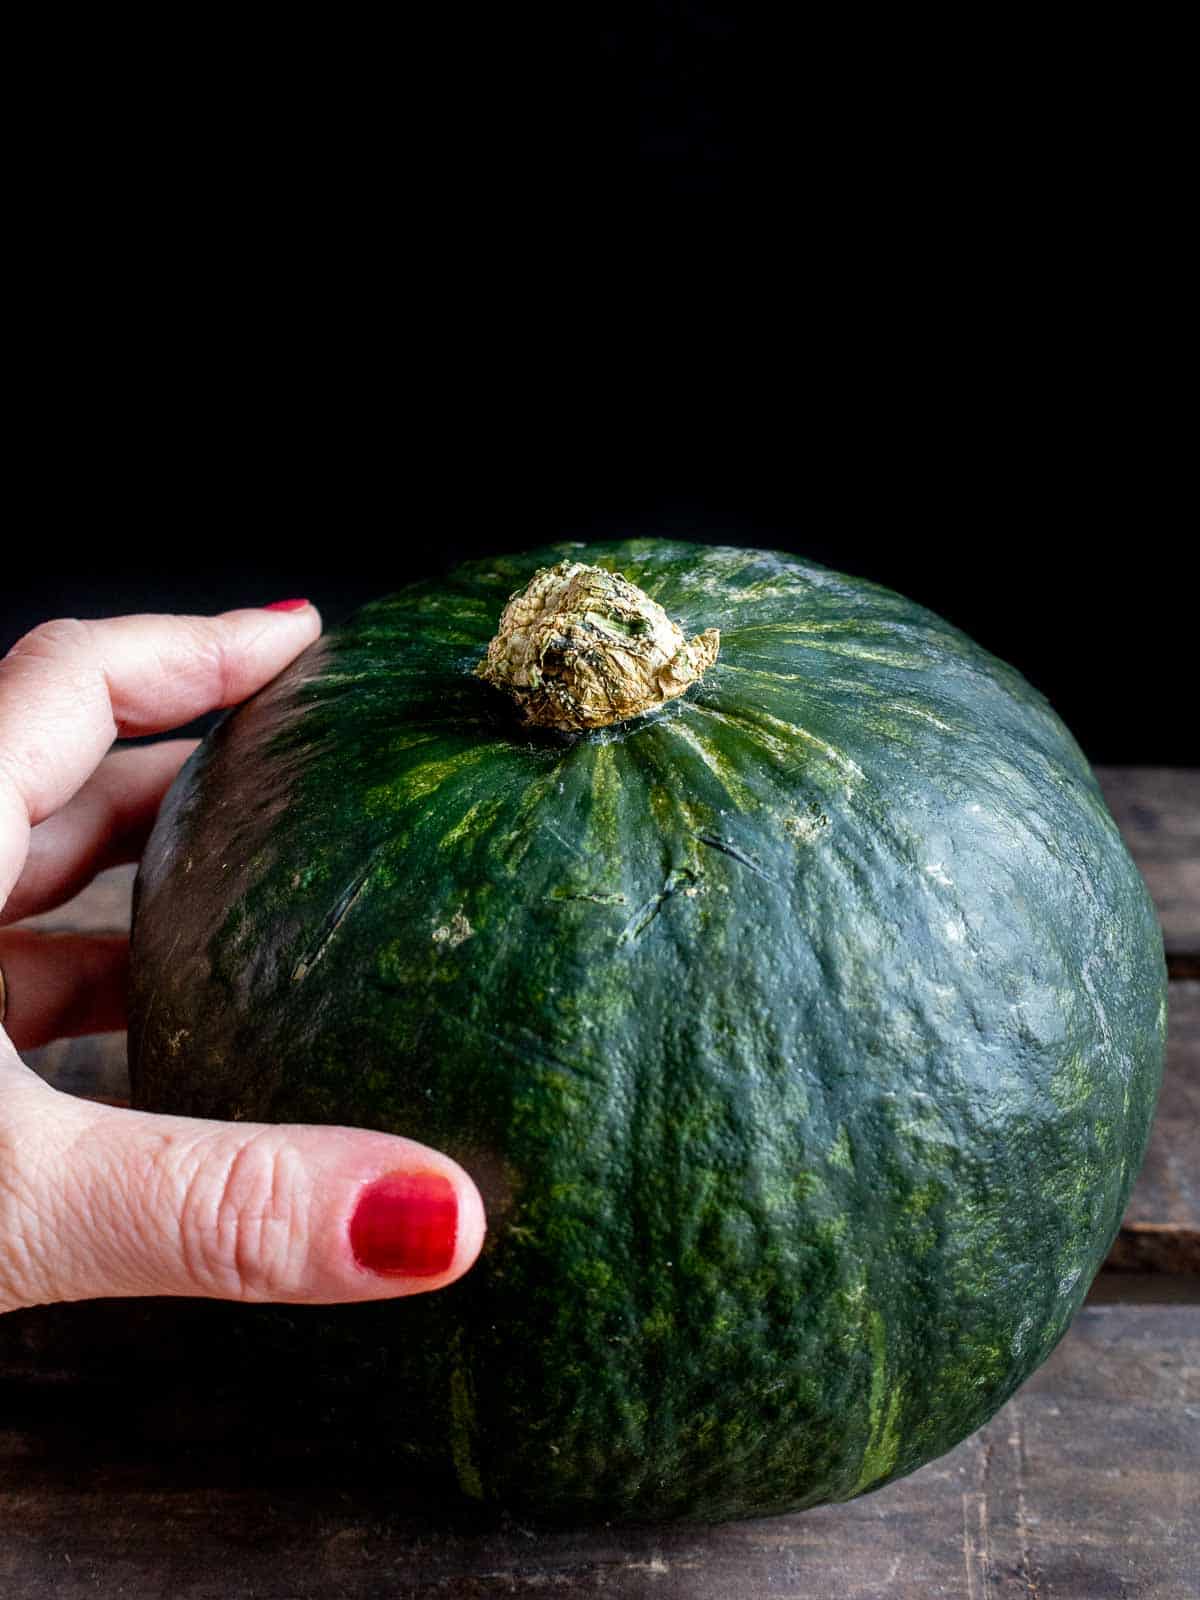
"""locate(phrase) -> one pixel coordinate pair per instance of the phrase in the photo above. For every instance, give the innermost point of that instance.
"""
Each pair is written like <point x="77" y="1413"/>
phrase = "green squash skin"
<point x="803" y="1036"/>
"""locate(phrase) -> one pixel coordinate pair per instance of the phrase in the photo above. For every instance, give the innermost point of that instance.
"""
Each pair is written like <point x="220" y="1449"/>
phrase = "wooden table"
<point x="128" y="1471"/>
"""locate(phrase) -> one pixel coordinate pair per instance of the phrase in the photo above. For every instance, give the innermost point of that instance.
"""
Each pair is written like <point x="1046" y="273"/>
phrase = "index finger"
<point x="69" y="688"/>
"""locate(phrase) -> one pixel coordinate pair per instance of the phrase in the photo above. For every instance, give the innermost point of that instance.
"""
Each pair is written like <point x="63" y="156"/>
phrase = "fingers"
<point x="101" y="1202"/>
<point x="61" y="985"/>
<point x="106" y="823"/>
<point x="69" y="688"/>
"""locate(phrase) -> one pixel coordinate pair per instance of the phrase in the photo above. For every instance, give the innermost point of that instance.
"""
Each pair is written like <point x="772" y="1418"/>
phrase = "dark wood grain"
<point x="94" y="1066"/>
<point x="103" y="907"/>
<point x="1158" y="812"/>
<point x="1161" y="1228"/>
<point x="1082" y="1487"/>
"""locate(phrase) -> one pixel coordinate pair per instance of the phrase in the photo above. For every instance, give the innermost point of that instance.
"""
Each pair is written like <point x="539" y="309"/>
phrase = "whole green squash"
<point x="803" y="1034"/>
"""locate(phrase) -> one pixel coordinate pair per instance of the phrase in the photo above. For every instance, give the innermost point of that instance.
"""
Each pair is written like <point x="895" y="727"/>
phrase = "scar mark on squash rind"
<point x="646" y="913"/>
<point x="711" y="840"/>
<point x="454" y="932"/>
<point x="601" y="897"/>
<point x="805" y="829"/>
<point x="527" y="1051"/>
<point x="333" y="921"/>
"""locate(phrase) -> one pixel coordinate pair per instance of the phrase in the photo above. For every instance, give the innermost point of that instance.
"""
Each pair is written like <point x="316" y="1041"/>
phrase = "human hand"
<point x="99" y="1201"/>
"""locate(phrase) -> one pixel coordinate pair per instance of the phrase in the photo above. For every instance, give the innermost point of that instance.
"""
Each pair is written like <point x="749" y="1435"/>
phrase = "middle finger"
<point x="105" y="823"/>
<point x="61" y="985"/>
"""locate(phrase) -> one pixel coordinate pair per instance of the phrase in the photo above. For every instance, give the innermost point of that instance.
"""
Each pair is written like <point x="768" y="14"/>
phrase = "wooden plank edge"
<point x="1155" y="1247"/>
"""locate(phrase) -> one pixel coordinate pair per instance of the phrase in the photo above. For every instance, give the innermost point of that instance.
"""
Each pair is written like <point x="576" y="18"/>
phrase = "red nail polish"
<point x="406" y="1225"/>
<point x="286" y="605"/>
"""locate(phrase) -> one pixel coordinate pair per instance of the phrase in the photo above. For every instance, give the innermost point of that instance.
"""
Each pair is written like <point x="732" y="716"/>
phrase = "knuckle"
<point x="63" y="636"/>
<point x="243" y="1233"/>
<point x="208" y="661"/>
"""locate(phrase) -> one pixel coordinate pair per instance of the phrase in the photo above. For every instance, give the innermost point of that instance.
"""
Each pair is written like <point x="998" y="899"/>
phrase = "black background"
<point x="325" y="330"/>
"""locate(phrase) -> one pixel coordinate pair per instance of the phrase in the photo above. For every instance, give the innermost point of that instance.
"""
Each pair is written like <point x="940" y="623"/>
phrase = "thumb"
<point x="96" y="1201"/>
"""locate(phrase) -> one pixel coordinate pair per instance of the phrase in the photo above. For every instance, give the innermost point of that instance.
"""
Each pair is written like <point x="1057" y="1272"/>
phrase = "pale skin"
<point x="97" y="1201"/>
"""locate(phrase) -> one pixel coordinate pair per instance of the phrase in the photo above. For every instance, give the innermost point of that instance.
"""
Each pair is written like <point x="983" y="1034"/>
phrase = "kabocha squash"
<point x="802" y="1028"/>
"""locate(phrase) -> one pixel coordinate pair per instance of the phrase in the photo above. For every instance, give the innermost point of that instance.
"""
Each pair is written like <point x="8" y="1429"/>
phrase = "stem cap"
<point x="580" y="647"/>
